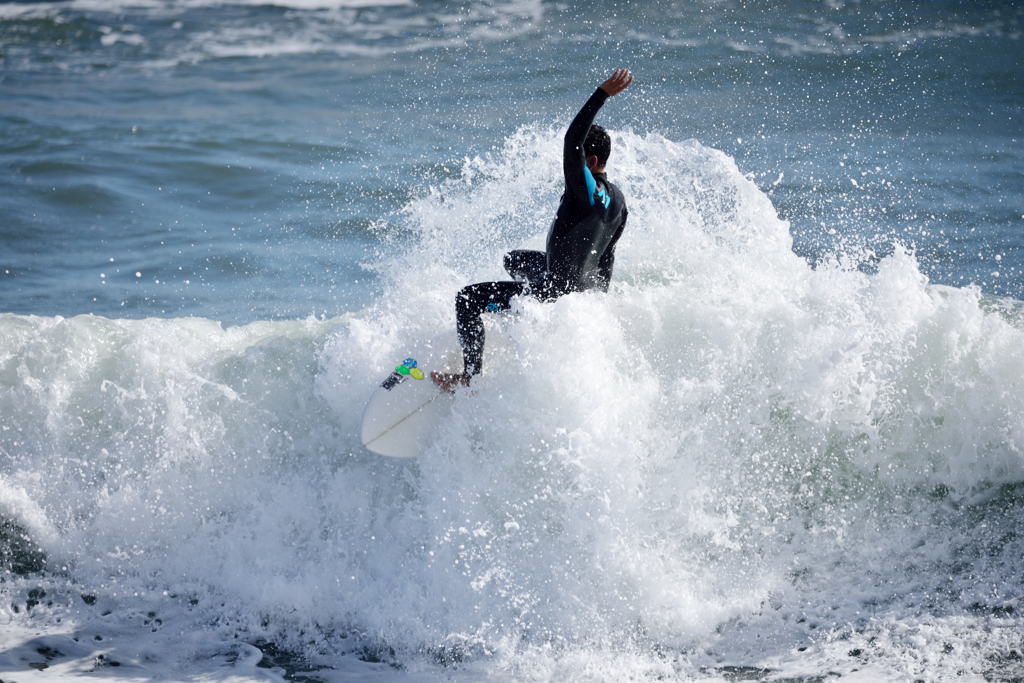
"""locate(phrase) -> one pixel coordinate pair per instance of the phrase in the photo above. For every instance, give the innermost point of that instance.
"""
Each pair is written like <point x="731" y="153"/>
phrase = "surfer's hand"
<point x="619" y="81"/>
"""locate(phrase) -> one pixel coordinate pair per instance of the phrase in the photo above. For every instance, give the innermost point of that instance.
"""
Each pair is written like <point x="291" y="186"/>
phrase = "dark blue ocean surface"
<point x="242" y="162"/>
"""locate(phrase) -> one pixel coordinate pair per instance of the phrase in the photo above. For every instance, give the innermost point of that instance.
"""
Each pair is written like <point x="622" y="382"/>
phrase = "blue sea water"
<point x="787" y="443"/>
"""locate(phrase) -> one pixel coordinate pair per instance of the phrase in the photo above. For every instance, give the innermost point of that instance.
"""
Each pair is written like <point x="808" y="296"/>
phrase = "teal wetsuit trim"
<point x="592" y="190"/>
<point x="591" y="184"/>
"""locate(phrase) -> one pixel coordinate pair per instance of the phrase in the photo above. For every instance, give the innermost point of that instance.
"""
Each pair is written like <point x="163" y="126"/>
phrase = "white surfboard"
<point x="405" y="410"/>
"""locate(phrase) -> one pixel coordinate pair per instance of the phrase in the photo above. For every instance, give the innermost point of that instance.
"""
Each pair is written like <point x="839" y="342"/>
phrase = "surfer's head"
<point x="598" y="144"/>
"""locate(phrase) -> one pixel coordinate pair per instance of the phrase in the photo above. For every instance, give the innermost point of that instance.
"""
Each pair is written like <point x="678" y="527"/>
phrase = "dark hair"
<point x="598" y="144"/>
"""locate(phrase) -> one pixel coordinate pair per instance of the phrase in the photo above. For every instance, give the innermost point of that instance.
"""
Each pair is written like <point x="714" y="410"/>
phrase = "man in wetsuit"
<point x="581" y="242"/>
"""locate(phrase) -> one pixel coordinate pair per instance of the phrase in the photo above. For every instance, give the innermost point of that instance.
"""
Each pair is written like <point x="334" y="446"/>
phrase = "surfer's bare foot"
<point x="449" y="381"/>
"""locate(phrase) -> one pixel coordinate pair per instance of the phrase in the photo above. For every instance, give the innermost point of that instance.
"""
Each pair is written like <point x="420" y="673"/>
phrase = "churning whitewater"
<point x="732" y="459"/>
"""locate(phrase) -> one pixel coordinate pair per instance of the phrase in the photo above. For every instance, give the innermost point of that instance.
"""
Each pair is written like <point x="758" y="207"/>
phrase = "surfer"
<point x="580" y="245"/>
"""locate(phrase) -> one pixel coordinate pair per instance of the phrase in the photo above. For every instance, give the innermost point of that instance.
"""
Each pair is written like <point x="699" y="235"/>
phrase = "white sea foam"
<point x="728" y="457"/>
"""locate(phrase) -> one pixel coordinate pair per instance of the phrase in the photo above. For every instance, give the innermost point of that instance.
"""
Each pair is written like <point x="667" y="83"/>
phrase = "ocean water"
<point x="787" y="444"/>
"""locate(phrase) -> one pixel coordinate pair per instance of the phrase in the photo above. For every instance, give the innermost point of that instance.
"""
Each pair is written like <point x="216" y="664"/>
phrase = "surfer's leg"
<point x="470" y="302"/>
<point x="523" y="264"/>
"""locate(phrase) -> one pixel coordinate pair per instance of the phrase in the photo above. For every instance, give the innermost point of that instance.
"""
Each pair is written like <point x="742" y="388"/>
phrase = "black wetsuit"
<point x="580" y="246"/>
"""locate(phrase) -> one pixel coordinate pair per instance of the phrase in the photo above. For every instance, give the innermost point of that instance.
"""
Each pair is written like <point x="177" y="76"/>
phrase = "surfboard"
<point x="404" y="409"/>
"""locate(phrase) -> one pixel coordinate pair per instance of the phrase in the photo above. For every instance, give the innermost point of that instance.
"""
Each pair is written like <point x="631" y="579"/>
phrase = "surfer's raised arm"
<point x="577" y="165"/>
